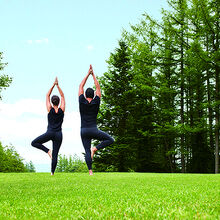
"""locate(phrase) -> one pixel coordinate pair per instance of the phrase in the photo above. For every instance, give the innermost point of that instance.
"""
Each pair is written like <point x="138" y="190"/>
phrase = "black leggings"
<point x="56" y="138"/>
<point x="87" y="134"/>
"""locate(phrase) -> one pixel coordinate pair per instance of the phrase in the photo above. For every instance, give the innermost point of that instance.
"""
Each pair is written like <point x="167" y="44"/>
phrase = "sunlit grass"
<point x="109" y="196"/>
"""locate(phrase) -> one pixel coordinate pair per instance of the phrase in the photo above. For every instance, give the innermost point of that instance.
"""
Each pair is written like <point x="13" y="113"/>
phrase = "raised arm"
<point x="63" y="103"/>
<point x="98" y="89"/>
<point x="48" y="104"/>
<point x="82" y="84"/>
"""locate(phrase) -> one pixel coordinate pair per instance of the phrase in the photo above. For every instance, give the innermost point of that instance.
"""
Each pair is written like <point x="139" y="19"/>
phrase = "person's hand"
<point x="56" y="81"/>
<point x="91" y="70"/>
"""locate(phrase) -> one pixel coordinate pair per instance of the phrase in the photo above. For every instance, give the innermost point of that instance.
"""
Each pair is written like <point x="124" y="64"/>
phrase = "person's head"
<point x="55" y="100"/>
<point x="89" y="93"/>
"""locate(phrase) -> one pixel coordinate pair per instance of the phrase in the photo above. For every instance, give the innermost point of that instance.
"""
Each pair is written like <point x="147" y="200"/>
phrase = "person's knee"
<point x="33" y="143"/>
<point x="112" y="140"/>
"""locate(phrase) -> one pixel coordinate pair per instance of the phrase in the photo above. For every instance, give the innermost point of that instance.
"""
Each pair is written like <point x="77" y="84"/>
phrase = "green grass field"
<point x="109" y="196"/>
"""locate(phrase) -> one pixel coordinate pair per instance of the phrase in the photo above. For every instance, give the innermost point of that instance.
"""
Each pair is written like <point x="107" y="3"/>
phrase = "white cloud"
<point x="90" y="47"/>
<point x="24" y="120"/>
<point x="22" y="106"/>
<point x="39" y="41"/>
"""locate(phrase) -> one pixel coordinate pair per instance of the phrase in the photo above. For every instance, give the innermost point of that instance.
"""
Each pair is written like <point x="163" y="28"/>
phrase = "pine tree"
<point x="115" y="112"/>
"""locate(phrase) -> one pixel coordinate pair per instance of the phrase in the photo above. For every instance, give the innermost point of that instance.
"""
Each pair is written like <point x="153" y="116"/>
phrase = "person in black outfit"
<point x="89" y="107"/>
<point x="54" y="129"/>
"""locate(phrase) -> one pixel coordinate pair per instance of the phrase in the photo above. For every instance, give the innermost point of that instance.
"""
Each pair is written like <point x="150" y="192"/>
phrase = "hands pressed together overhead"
<point x="98" y="90"/>
<point x="62" y="104"/>
<point x="56" y="81"/>
<point x="91" y="70"/>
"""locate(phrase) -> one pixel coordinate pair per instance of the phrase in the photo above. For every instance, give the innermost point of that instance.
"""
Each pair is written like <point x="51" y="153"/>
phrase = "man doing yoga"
<point x="89" y="107"/>
<point x="54" y="129"/>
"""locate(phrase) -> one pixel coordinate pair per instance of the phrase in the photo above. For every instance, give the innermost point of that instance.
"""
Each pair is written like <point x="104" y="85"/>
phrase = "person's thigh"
<point x="44" y="138"/>
<point x="101" y="135"/>
<point x="86" y="137"/>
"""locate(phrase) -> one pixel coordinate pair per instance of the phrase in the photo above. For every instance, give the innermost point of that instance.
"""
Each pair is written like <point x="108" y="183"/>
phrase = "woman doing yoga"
<point x="54" y="129"/>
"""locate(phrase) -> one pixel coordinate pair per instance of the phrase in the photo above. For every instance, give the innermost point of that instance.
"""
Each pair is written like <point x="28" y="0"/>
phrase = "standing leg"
<point x="86" y="140"/>
<point x="57" y="141"/>
<point x="38" y="142"/>
<point x="87" y="145"/>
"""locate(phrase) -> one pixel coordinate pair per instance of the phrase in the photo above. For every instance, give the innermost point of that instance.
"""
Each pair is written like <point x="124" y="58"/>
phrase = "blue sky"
<point x="42" y="39"/>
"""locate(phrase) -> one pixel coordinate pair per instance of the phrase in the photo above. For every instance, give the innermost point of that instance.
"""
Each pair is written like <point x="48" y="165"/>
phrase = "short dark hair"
<point x="90" y="93"/>
<point x="55" y="100"/>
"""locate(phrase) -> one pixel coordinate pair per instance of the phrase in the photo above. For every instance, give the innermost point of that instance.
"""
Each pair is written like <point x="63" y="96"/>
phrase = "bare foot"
<point x="50" y="154"/>
<point x="90" y="172"/>
<point x="94" y="149"/>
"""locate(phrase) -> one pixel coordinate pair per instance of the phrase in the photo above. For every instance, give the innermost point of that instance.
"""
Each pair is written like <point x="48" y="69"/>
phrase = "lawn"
<point x="109" y="196"/>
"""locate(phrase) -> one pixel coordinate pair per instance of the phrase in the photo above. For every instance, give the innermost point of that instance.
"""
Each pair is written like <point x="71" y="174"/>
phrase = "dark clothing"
<point x="54" y="133"/>
<point x="89" y="131"/>
<point x="88" y="111"/>
<point x="87" y="134"/>
<point x="56" y="138"/>
<point x="55" y="120"/>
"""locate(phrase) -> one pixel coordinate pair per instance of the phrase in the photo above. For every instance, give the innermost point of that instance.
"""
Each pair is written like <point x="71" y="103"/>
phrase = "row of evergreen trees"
<point x="10" y="161"/>
<point x="70" y="164"/>
<point x="161" y="95"/>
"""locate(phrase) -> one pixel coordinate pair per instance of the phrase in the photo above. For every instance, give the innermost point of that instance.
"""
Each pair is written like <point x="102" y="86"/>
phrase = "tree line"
<point x="160" y="95"/>
<point x="70" y="164"/>
<point x="11" y="161"/>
